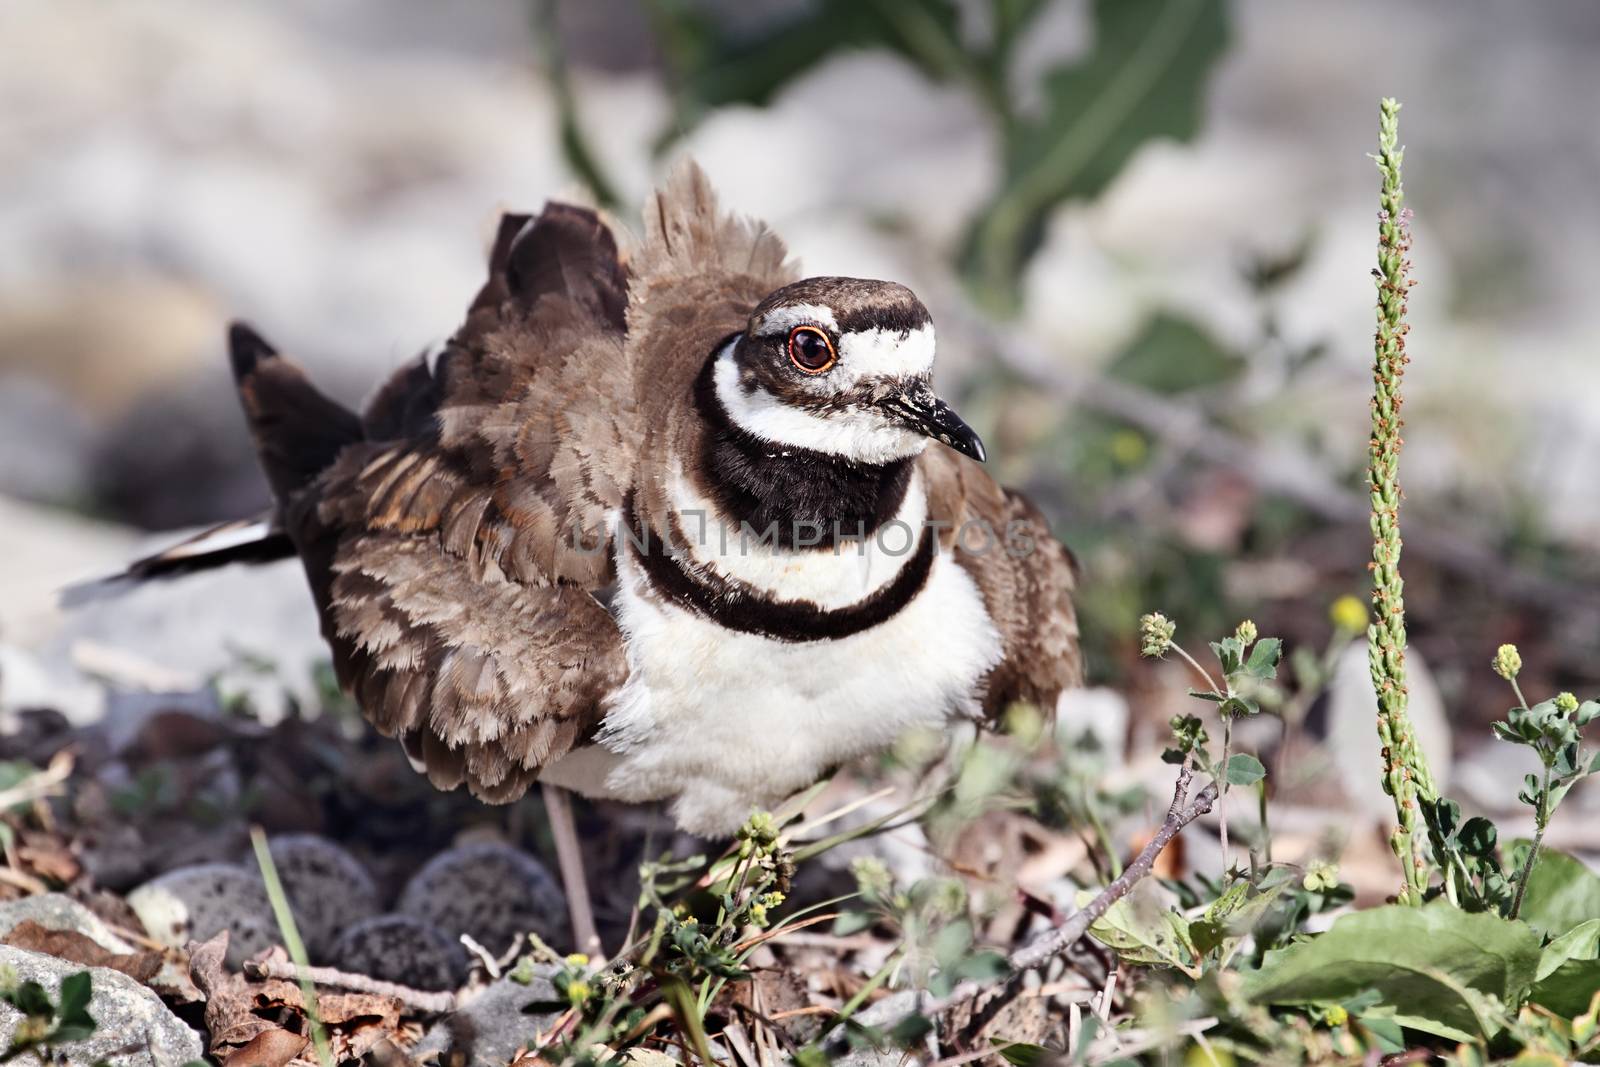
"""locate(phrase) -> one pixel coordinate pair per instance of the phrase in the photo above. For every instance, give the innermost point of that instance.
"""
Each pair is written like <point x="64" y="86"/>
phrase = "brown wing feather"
<point x="1025" y="575"/>
<point x="470" y="526"/>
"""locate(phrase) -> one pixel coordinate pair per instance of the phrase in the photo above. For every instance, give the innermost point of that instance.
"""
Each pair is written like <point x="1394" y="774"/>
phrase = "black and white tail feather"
<point x="298" y="433"/>
<point x="255" y="540"/>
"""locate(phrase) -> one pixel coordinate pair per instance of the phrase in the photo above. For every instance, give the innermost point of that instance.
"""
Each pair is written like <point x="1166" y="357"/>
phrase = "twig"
<point x="419" y="999"/>
<point x="23" y="881"/>
<point x="1182" y="812"/>
<point x="1283" y="470"/>
<point x="569" y="855"/>
<point x="1179" y="815"/>
<point x="45" y="783"/>
<point x="484" y="956"/>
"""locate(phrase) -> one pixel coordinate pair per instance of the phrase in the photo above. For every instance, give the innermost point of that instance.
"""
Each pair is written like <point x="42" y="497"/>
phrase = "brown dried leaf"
<point x="74" y="947"/>
<point x="48" y="856"/>
<point x="356" y="1022"/>
<point x="230" y="1016"/>
<point x="270" y="1048"/>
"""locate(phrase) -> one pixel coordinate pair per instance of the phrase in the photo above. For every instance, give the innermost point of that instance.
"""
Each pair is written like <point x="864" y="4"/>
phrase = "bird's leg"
<point x="558" y="805"/>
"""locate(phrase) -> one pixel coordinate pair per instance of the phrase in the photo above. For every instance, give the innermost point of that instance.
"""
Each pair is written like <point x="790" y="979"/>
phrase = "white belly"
<point x="726" y="722"/>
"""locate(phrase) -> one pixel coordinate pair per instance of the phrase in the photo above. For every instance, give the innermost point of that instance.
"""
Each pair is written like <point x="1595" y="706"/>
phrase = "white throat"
<point x="862" y="436"/>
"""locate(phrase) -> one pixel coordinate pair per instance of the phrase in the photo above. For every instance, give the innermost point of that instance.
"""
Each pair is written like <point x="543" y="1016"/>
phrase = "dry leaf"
<point x="74" y="947"/>
<point x="270" y="1048"/>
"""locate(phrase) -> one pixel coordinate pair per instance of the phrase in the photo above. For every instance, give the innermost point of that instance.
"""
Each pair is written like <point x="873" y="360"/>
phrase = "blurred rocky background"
<point x="1146" y="232"/>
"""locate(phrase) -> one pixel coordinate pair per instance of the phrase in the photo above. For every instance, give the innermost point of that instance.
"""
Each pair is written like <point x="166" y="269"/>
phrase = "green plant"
<point x="1249" y="666"/>
<point x="1406" y="777"/>
<point x="705" y="919"/>
<point x="1143" y="79"/>
<point x="47" y="1024"/>
<point x="1551" y="728"/>
<point x="291" y="941"/>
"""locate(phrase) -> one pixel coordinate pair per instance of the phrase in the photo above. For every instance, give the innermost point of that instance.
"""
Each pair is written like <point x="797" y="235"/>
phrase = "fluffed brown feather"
<point x="1025" y="575"/>
<point x="471" y="525"/>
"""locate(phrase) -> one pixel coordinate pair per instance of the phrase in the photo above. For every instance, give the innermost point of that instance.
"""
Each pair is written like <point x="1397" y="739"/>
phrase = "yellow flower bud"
<point x="1507" y="662"/>
<point x="1155" y="634"/>
<point x="1348" y="613"/>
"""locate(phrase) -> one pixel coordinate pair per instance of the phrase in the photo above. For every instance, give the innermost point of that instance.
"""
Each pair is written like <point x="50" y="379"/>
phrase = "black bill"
<point x="923" y="412"/>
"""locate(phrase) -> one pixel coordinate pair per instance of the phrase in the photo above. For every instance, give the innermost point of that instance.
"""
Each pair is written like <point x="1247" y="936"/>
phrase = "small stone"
<point x="133" y="1028"/>
<point x="195" y="903"/>
<point x="490" y="891"/>
<point x="402" y="949"/>
<point x="488" y="1030"/>
<point x="1353" y="740"/>
<point x="327" y="887"/>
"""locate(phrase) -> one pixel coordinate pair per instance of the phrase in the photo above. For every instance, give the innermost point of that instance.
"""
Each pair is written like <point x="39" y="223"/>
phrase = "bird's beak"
<point x="918" y="409"/>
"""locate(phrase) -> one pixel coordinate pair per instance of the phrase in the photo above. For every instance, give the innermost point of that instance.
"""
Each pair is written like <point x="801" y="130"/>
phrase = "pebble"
<point x="402" y="949"/>
<point x="490" y="891"/>
<point x="327" y="887"/>
<point x="195" y="903"/>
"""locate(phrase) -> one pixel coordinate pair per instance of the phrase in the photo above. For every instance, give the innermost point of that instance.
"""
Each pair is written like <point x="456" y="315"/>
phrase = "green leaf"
<point x="1562" y="894"/>
<point x="1231" y="916"/>
<point x="1237" y="705"/>
<point x="1143" y="79"/>
<point x="1418" y="959"/>
<point x="1386" y="1032"/>
<point x="1587" y="712"/>
<point x="1022" y="1054"/>
<point x="1264" y="658"/>
<point x="1142" y="928"/>
<point x="31" y="999"/>
<point x="950" y="944"/>
<point x="852" y="922"/>
<point x="910" y="1030"/>
<point x="1569" y="989"/>
<point x="1171" y="355"/>
<point x="1582" y="942"/>
<point x="73" y="1008"/>
<point x="1244" y="769"/>
<point x="982" y="967"/>
<point x="714" y="68"/>
<point x="1228" y="652"/>
<point x="1478" y="836"/>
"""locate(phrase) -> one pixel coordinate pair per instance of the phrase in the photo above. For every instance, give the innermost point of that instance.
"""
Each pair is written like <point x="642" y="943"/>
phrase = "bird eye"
<point x="810" y="349"/>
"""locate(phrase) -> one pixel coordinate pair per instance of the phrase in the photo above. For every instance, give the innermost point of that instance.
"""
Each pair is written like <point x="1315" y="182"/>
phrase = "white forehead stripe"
<point x="880" y="353"/>
<point x="784" y="319"/>
<point x="862" y="436"/>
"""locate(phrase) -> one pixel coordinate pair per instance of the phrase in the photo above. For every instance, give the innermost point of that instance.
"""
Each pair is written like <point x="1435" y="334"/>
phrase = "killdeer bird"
<point x="685" y="528"/>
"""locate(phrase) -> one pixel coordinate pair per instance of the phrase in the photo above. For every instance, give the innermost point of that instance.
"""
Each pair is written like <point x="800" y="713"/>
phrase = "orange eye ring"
<point x="810" y="350"/>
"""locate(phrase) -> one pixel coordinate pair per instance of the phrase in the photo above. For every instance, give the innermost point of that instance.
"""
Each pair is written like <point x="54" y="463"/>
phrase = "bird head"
<point x="842" y="366"/>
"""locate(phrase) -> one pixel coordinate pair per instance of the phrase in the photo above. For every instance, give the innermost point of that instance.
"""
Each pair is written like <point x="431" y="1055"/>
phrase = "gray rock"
<point x="1097" y="717"/>
<point x="490" y="891"/>
<point x="134" y="1027"/>
<point x="1353" y="730"/>
<point x="328" y="888"/>
<point x="403" y="949"/>
<point x="57" y="911"/>
<point x="488" y="1031"/>
<point x="194" y="903"/>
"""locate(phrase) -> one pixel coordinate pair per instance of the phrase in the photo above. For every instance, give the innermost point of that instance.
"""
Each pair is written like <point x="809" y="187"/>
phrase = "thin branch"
<point x="569" y="856"/>
<point x="418" y="999"/>
<point x="1282" y="470"/>
<point x="1181" y="813"/>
